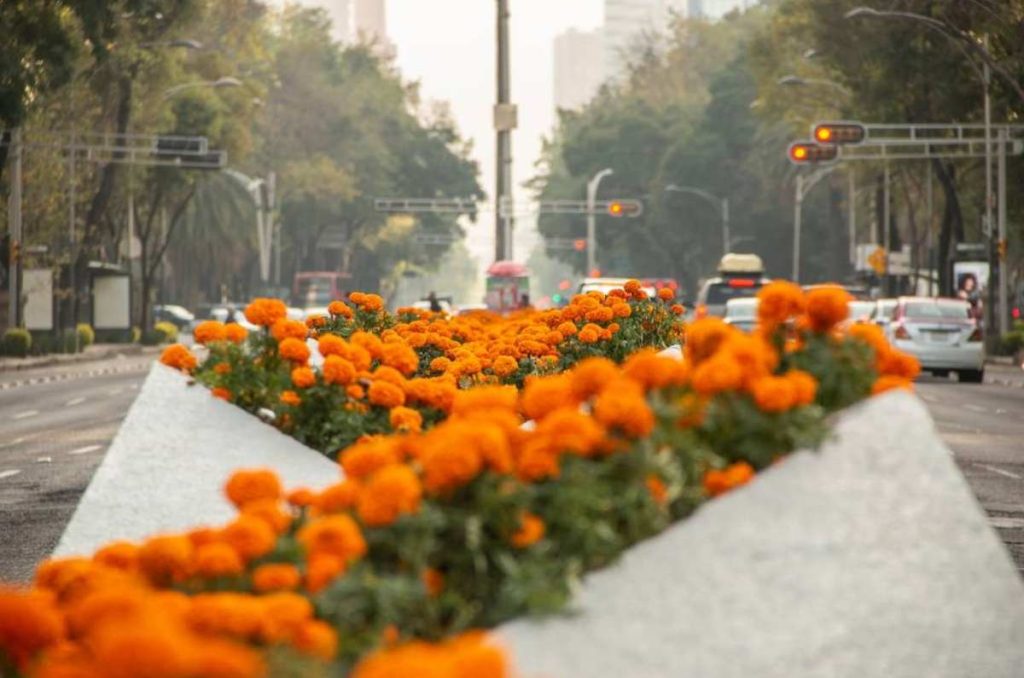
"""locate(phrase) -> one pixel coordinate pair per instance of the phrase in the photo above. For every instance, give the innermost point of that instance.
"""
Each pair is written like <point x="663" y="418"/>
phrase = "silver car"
<point x="882" y="315"/>
<point x="741" y="313"/>
<point x="941" y="334"/>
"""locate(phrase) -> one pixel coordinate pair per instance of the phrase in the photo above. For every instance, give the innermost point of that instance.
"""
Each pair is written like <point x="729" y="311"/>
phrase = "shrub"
<point x="70" y="341"/>
<point x="169" y="330"/>
<point x="16" y="342"/>
<point x="86" y="335"/>
<point x="1012" y="342"/>
<point x="136" y="335"/>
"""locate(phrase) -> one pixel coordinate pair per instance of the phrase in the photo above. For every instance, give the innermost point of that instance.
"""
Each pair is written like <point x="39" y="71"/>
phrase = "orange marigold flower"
<point x="249" y="536"/>
<point x="589" y="335"/>
<point x="656" y="486"/>
<point x="209" y="331"/>
<point x="386" y="394"/>
<point x="303" y="377"/>
<point x="369" y="302"/>
<point x="632" y="286"/>
<point x="720" y="373"/>
<point x="290" y="398"/>
<point x="537" y="460"/>
<point x="29" y="623"/>
<point x="778" y="302"/>
<point x="338" y="371"/>
<point x="804" y="385"/>
<point x="368" y="455"/>
<point x="433" y="581"/>
<point x="896" y="363"/>
<point x="217" y="560"/>
<point x="590" y="375"/>
<point x="774" y="394"/>
<point x="332" y="344"/>
<point x="890" y="383"/>
<point x="275" y="577"/>
<point x="467" y="656"/>
<point x="504" y="365"/>
<point x="301" y="497"/>
<point x="544" y="394"/>
<point x="485" y="398"/>
<point x="178" y="357"/>
<point x="221" y="393"/>
<point x="390" y="493"/>
<point x="440" y="364"/>
<point x="235" y="333"/>
<point x="567" y="329"/>
<point x="166" y="559"/>
<point x="321" y="570"/>
<point x="400" y="357"/>
<point x="285" y="328"/>
<point x="316" y="639"/>
<point x="335" y="535"/>
<point x="717" y="482"/>
<point x="621" y="405"/>
<point x="531" y="530"/>
<point x="222" y="368"/>
<point x="265" y="312"/>
<point x="315" y="320"/>
<point x="339" y="309"/>
<point x="654" y="371"/>
<point x="339" y="496"/>
<point x="355" y="391"/>
<point x="665" y="294"/>
<point x="249" y="485"/>
<point x="827" y="306"/>
<point x="678" y="309"/>
<point x="446" y="467"/>
<point x="371" y="343"/>
<point x="405" y="419"/>
<point x="704" y="336"/>
<point x="270" y="512"/>
<point x="567" y="430"/>
<point x="122" y="555"/>
<point x="294" y="350"/>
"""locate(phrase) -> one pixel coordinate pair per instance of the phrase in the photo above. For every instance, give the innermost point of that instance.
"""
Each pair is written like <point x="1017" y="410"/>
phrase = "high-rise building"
<point x="371" y="22"/>
<point x="627" y="23"/>
<point x="579" y="67"/>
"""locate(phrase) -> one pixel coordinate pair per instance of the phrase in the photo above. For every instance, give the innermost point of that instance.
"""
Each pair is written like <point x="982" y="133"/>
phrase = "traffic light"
<point x="565" y="284"/>
<point x="625" y="208"/>
<point x="838" y="133"/>
<point x="1002" y="248"/>
<point x="806" y="152"/>
<point x="579" y="244"/>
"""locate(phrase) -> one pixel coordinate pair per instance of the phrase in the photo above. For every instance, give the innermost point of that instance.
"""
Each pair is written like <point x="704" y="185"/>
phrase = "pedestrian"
<point x="435" y="305"/>
<point x="524" y="301"/>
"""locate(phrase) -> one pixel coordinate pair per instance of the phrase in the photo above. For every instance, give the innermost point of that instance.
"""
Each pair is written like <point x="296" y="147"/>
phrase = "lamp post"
<point x="592" y="187"/>
<point x="963" y="43"/>
<point x="791" y="80"/>
<point x="803" y="187"/>
<point x="226" y="81"/>
<point x="721" y="203"/>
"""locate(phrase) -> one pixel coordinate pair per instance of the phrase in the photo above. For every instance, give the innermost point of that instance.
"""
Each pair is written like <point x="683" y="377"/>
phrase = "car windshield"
<point x="925" y="309"/>
<point x="722" y="292"/>
<point x="741" y="310"/>
<point x="861" y="309"/>
<point x="314" y="292"/>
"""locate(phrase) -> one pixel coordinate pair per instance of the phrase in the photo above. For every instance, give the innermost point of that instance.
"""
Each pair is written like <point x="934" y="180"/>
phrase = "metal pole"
<point x="72" y="276"/>
<point x="592" y="187"/>
<point x="887" y="230"/>
<point x="796" y="226"/>
<point x="990" y="314"/>
<point x="932" y="268"/>
<point x="14" y="224"/>
<point x="1004" y="312"/>
<point x="726" y="240"/>
<point x="852" y="209"/>
<point x="503" y="179"/>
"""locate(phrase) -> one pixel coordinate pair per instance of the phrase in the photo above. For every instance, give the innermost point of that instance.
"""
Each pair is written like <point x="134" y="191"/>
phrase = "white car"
<point x="741" y="313"/>
<point x="941" y="334"/>
<point x="606" y="285"/>
<point x="882" y="315"/>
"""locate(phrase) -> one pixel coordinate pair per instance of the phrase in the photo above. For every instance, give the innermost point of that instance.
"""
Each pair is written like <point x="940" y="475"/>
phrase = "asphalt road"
<point x="56" y="424"/>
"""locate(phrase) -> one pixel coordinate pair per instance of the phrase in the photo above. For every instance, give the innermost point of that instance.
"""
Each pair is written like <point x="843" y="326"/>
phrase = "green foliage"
<point x="16" y="342"/>
<point x="1012" y="342"/>
<point x="86" y="335"/>
<point x="169" y="331"/>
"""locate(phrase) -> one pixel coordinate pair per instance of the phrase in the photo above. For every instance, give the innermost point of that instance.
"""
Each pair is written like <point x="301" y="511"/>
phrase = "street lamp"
<point x="796" y="80"/>
<point x="721" y="203"/>
<point x="184" y="43"/>
<point x="592" y="187"/>
<point x="226" y="81"/>
<point x="960" y="40"/>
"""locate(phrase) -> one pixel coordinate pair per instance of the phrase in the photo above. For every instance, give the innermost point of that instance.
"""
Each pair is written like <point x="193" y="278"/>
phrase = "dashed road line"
<point x="1002" y="472"/>
<point x="87" y="449"/>
<point x="25" y="414"/>
<point x="114" y="391"/>
<point x="9" y="472"/>
<point x="85" y="374"/>
<point x="74" y="401"/>
<point x="975" y="408"/>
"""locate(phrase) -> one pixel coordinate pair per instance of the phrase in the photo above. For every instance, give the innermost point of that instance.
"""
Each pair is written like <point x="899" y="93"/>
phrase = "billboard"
<point x="970" y="280"/>
<point x="37" y="286"/>
<point x="111" y="307"/>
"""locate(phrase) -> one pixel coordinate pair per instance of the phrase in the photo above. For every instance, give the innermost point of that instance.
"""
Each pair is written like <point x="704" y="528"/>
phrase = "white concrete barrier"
<point x="166" y="468"/>
<point x="868" y="558"/>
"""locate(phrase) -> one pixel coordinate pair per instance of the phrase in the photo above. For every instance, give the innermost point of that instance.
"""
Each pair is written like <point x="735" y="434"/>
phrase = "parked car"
<point x="882" y="313"/>
<point x="224" y="312"/>
<point x="941" y="334"/>
<point x="741" y="313"/>
<point x="740" y="276"/>
<point x="606" y="285"/>
<point x="179" y="316"/>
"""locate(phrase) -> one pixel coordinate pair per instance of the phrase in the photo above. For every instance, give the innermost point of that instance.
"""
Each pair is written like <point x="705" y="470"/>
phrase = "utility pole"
<point x="504" y="122"/>
<point x="14" y="226"/>
<point x="592" y="187"/>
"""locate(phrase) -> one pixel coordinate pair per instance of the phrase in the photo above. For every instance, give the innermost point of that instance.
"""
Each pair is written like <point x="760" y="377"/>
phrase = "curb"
<point x="114" y="350"/>
<point x="1000" y="360"/>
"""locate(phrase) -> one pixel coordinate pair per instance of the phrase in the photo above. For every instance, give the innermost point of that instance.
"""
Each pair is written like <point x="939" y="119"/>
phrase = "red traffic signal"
<point x="564" y="285"/>
<point x="625" y="208"/>
<point x="579" y="244"/>
<point x="838" y="133"/>
<point x="806" y="152"/>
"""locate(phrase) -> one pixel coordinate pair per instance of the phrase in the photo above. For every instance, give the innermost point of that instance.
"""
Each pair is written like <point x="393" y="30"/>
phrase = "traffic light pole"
<point x="592" y="187"/>
<point x="504" y="123"/>
<point x="1004" y="290"/>
<point x="14" y="226"/>
<point x="802" y="188"/>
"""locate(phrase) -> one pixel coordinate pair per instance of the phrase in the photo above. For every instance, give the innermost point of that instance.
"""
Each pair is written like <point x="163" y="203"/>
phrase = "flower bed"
<point x="462" y="526"/>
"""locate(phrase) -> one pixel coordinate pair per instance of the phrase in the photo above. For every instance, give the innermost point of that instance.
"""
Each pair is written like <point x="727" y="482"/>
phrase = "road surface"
<point x="56" y="424"/>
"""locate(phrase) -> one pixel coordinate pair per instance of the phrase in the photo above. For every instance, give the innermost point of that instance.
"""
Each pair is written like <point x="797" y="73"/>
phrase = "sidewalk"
<point x="90" y="354"/>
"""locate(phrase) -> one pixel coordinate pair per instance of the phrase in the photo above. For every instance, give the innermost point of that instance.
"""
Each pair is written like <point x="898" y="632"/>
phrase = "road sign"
<point x="877" y="260"/>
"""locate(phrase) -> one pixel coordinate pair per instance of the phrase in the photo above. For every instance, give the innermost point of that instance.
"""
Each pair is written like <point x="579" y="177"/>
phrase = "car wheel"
<point x="971" y="376"/>
<point x="940" y="373"/>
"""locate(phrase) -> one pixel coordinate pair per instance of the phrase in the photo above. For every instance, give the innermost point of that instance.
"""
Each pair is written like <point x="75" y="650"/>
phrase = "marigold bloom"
<point x="386" y="394"/>
<point x="123" y="555"/>
<point x="235" y="333"/>
<point x="654" y="371"/>
<point x="656" y="486"/>
<point x="222" y="368"/>
<point x="440" y="364"/>
<point x="621" y="405"/>
<point x="390" y="493"/>
<point x="221" y="393"/>
<point x="217" y="560"/>
<point x="433" y="581"/>
<point x="778" y="302"/>
<point x="590" y="375"/>
<point x="405" y="419"/>
<point x="335" y="535"/>
<point x="290" y="398"/>
<point x="485" y="398"/>
<point x="338" y="371"/>
<point x="368" y="455"/>
<point x="568" y="430"/>
<point x="896" y="363"/>
<point x="270" y="512"/>
<point x="774" y="394"/>
<point x="504" y="365"/>
<point x="537" y="460"/>
<point x="249" y="536"/>
<point x="249" y="485"/>
<point x="717" y="482"/>
<point x="294" y="350"/>
<point x="166" y="559"/>
<point x="321" y="570"/>
<point x="339" y="309"/>
<point x="588" y="335"/>
<point x="665" y="294"/>
<point x="331" y="344"/>
<point x="891" y="383"/>
<point x="303" y="377"/>
<point x="567" y="329"/>
<point x="827" y="307"/>
<point x="178" y="357"/>
<point x="678" y="309"/>
<point x="446" y="467"/>
<point x="703" y="337"/>
<point x="283" y="613"/>
<point x="286" y="328"/>
<point x="467" y="656"/>
<point x="301" y="497"/>
<point x="316" y="639"/>
<point x="531" y="530"/>
<point x="276" y="577"/>
<point x="29" y="623"/>
<point x="209" y="331"/>
<point x="720" y="373"/>
<point x="265" y="312"/>
<point x="371" y="343"/>
<point x="544" y="394"/>
<point x="400" y="357"/>
<point x="804" y="385"/>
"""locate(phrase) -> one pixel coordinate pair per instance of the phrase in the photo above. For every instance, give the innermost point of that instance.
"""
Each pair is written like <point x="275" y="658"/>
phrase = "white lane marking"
<point x="1002" y="472"/>
<point x="975" y="408"/>
<point x="44" y="460"/>
<point x="86" y="449"/>
<point x="114" y="391"/>
<point x="134" y="387"/>
<point x="1006" y="522"/>
<point x="74" y="401"/>
<point x="9" y="472"/>
<point x="13" y="442"/>
<point x="26" y="413"/>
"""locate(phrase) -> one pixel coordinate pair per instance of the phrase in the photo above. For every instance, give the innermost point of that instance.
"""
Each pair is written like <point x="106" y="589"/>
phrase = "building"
<point x="371" y="24"/>
<point x="579" y="67"/>
<point x="627" y="23"/>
